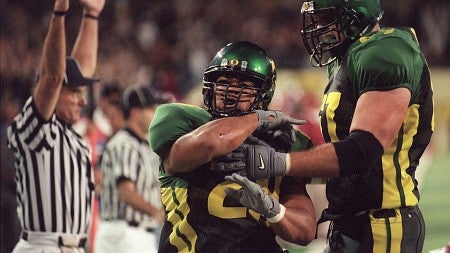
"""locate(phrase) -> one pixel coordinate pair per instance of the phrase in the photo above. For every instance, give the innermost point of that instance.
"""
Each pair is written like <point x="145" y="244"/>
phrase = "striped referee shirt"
<point x="53" y="173"/>
<point x="128" y="157"/>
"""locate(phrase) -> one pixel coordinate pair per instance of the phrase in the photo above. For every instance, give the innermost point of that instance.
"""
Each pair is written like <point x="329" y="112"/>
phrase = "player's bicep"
<point x="299" y="206"/>
<point x="381" y="113"/>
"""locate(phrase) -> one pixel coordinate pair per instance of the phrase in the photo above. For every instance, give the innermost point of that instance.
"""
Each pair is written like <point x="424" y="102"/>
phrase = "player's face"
<point x="326" y="21"/>
<point x="234" y="94"/>
<point x="70" y="103"/>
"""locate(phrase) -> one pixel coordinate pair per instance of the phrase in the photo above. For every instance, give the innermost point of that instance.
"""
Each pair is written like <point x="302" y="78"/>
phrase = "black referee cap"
<point x="74" y="77"/>
<point x="140" y="96"/>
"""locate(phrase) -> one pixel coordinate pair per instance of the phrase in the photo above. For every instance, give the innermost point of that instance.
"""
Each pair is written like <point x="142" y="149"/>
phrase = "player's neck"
<point x="134" y="126"/>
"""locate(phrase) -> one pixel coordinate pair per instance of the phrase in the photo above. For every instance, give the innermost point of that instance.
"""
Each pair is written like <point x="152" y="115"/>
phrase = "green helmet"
<point x="350" y="19"/>
<point x="244" y="60"/>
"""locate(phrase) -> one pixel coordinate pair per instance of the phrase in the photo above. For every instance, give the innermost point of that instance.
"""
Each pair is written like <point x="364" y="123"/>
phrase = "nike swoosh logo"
<point x="263" y="166"/>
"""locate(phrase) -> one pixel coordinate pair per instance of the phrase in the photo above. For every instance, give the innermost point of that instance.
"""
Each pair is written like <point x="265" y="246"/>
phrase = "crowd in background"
<point x="168" y="43"/>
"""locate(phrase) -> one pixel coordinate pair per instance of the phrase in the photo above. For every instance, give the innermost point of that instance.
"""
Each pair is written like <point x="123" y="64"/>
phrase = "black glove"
<point x="274" y="120"/>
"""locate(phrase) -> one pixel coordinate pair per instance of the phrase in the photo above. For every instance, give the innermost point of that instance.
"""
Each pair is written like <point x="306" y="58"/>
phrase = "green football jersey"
<point x="383" y="60"/>
<point x="200" y="217"/>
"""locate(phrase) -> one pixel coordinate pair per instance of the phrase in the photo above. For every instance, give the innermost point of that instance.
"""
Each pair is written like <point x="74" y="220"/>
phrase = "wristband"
<point x="279" y="216"/>
<point x="59" y="13"/>
<point x="288" y="164"/>
<point x="87" y="15"/>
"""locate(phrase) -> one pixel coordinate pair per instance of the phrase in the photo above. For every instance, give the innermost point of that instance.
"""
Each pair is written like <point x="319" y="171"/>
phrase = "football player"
<point x="377" y="119"/>
<point x="208" y="207"/>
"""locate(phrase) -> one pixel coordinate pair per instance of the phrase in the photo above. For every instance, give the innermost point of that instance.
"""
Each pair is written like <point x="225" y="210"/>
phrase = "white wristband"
<point x="279" y="216"/>
<point x="288" y="163"/>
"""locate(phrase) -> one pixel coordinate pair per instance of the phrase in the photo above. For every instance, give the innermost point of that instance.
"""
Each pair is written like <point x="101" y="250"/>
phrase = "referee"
<point x="53" y="167"/>
<point x="131" y="208"/>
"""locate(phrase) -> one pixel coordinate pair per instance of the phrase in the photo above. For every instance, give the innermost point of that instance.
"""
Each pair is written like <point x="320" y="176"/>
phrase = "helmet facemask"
<point x="231" y="95"/>
<point x="241" y="76"/>
<point x="322" y="35"/>
<point x="328" y="31"/>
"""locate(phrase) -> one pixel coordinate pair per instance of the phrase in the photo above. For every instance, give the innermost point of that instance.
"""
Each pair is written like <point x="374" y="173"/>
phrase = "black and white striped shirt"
<point x="53" y="173"/>
<point x="127" y="156"/>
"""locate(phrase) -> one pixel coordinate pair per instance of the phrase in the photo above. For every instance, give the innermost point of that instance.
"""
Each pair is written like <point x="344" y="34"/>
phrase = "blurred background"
<point x="167" y="44"/>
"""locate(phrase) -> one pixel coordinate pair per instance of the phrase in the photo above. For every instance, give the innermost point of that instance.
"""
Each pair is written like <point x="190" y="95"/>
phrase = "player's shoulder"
<point x="180" y="110"/>
<point x="387" y="46"/>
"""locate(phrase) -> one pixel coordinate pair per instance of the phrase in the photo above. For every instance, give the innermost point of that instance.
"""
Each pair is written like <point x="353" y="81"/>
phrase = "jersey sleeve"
<point x="171" y="121"/>
<point x="30" y="129"/>
<point x="389" y="60"/>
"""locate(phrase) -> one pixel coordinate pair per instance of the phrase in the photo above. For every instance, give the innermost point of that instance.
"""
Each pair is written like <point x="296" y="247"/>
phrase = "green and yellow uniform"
<point x="379" y="61"/>
<point x="200" y="216"/>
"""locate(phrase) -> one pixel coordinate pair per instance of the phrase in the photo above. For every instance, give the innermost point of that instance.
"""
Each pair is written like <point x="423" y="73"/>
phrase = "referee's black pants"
<point x="386" y="230"/>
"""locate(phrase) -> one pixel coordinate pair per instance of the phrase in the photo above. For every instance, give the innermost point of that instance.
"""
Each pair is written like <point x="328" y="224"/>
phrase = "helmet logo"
<point x="244" y="64"/>
<point x="224" y="62"/>
<point x="307" y="6"/>
<point x="233" y="63"/>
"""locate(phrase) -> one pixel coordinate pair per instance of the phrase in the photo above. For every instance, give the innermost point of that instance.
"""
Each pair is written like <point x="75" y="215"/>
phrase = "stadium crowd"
<point x="167" y="43"/>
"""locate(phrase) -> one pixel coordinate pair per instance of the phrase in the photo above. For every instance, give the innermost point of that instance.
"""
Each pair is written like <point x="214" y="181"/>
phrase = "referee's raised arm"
<point x="53" y="63"/>
<point x="53" y="168"/>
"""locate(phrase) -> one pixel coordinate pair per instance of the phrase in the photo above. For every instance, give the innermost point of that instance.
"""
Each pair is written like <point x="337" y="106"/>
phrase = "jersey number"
<point x="217" y="197"/>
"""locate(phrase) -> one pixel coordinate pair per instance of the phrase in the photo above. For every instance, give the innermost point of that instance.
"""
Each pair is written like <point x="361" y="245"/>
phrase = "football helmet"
<point x="330" y="26"/>
<point x="242" y="60"/>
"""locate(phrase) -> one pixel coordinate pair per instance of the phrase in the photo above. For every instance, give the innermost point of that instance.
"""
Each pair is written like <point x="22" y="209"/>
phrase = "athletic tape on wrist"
<point x="288" y="163"/>
<point x="277" y="217"/>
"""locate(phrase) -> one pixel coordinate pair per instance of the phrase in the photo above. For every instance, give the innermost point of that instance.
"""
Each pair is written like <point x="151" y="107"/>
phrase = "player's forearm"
<point x="226" y="134"/>
<point x="216" y="138"/>
<point x="320" y="161"/>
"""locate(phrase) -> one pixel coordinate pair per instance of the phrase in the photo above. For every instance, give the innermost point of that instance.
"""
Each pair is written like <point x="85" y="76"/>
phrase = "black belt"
<point x="377" y="214"/>
<point x="384" y="213"/>
<point x="389" y="213"/>
<point x="81" y="242"/>
<point x="136" y="224"/>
